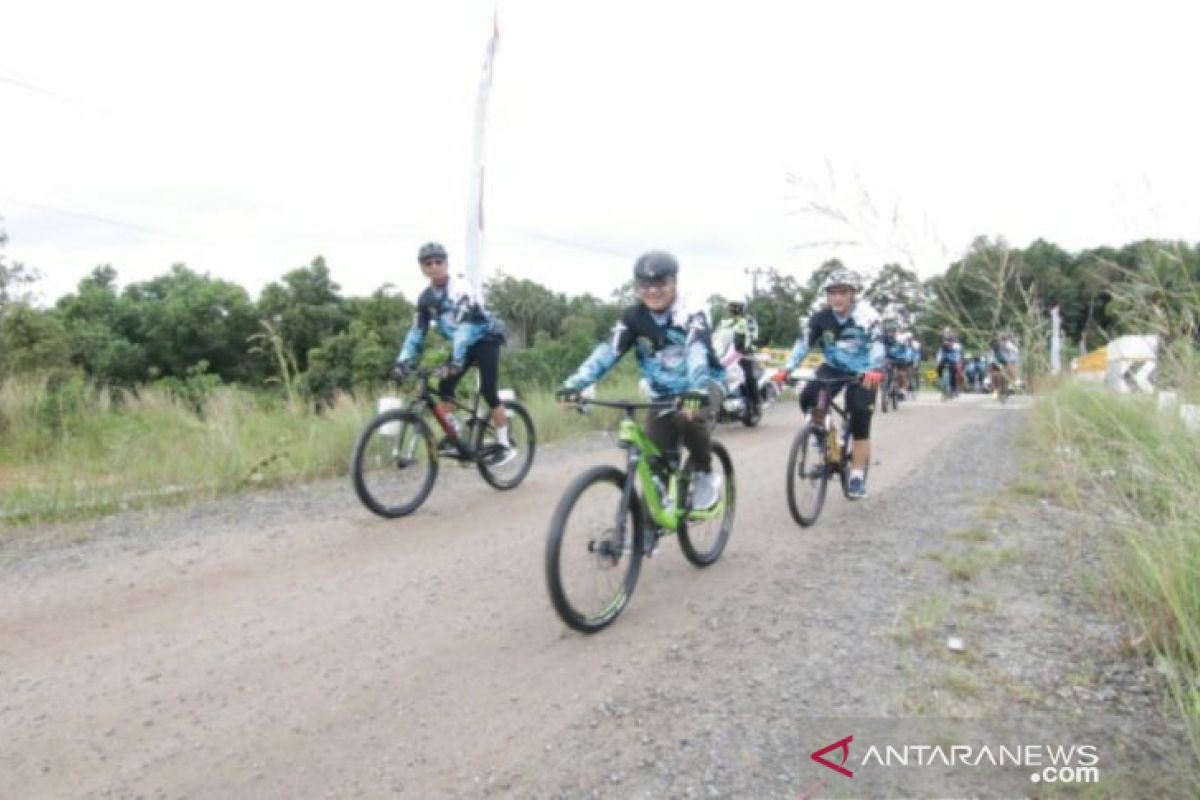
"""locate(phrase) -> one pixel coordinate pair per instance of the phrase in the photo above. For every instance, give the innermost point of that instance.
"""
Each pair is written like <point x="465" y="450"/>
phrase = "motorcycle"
<point x="736" y="405"/>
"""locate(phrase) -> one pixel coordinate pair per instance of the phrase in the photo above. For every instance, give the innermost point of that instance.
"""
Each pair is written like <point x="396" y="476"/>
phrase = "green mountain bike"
<point x="609" y="518"/>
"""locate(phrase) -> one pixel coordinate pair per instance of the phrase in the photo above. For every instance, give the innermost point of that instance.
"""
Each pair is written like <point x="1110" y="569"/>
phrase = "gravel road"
<point x="290" y="644"/>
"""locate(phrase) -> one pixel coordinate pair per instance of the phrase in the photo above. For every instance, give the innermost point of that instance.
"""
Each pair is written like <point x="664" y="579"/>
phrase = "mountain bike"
<point x="1000" y="383"/>
<point x="395" y="461"/>
<point x="889" y="391"/>
<point x="946" y="382"/>
<point x="819" y="452"/>
<point x="609" y="518"/>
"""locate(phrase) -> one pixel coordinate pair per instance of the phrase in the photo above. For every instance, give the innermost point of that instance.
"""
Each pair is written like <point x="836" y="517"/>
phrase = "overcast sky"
<point x="244" y="138"/>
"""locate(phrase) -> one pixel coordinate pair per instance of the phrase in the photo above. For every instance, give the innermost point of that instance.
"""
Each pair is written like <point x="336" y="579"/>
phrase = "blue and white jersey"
<point x="897" y="348"/>
<point x="950" y="353"/>
<point x="674" y="351"/>
<point x="458" y="319"/>
<point x="849" y="344"/>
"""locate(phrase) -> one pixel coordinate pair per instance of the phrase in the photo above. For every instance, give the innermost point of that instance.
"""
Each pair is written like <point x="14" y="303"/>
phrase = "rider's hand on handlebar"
<point x="567" y="397"/>
<point x="691" y="404"/>
<point x="400" y="370"/>
<point x="872" y="378"/>
<point x="781" y="376"/>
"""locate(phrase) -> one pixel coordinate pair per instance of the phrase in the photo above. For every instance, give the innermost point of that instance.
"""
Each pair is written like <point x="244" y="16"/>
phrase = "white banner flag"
<point x="475" y="226"/>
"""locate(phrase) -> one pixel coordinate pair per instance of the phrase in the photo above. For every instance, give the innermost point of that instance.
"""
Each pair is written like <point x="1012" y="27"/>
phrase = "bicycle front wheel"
<point x="394" y="465"/>
<point x="807" y="475"/>
<point x="505" y="469"/>
<point x="591" y="568"/>
<point x="703" y="535"/>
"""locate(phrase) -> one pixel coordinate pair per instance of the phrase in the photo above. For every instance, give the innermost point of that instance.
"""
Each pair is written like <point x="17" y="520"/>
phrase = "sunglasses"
<point x="430" y="262"/>
<point x="652" y="283"/>
<point x="839" y="290"/>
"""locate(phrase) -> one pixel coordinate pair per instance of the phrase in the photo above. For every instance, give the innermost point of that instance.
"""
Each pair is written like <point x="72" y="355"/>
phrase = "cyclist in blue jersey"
<point x="475" y="336"/>
<point x="899" y="353"/>
<point x="950" y="356"/>
<point x="848" y="334"/>
<point x="673" y="342"/>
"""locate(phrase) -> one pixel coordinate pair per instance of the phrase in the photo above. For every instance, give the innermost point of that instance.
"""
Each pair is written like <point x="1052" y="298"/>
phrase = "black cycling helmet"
<point x="736" y="307"/>
<point x="655" y="266"/>
<point x="430" y="250"/>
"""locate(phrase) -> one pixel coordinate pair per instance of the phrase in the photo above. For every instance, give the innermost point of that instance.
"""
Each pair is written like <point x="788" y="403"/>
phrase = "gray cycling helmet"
<point x="843" y="277"/>
<point x="655" y="266"/>
<point x="430" y="250"/>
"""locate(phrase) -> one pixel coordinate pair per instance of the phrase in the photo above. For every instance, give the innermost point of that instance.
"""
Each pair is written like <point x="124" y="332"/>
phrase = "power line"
<point x="86" y="216"/>
<point x="32" y="88"/>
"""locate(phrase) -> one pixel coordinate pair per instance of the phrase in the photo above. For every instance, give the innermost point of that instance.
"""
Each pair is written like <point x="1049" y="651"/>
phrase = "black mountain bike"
<point x="889" y="390"/>
<point x="609" y="518"/>
<point x="819" y="452"/>
<point x="395" y="460"/>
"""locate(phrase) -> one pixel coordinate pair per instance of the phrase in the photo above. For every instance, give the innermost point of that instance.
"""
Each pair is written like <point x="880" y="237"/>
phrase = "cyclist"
<point x="974" y="372"/>
<point x="915" y="344"/>
<point x="899" y="354"/>
<point x="1005" y="354"/>
<point x="475" y="336"/>
<point x="949" y="358"/>
<point x="848" y="334"/>
<point x="744" y="331"/>
<point x="676" y="359"/>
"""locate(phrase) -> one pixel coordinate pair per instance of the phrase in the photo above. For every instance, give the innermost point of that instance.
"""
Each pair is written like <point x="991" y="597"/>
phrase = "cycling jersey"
<point x="849" y="344"/>
<point x="950" y="353"/>
<point x="741" y="333"/>
<point x="458" y="319"/>
<point x="897" y="351"/>
<point x="674" y="351"/>
<point x="1004" y="353"/>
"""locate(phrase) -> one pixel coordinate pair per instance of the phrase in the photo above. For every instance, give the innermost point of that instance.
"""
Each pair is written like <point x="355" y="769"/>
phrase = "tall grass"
<point x="71" y="449"/>
<point x="1134" y="472"/>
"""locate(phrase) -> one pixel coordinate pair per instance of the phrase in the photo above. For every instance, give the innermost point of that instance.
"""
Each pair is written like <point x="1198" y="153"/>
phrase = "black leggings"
<point x="949" y="365"/>
<point x="485" y="355"/>
<point x="748" y="370"/>
<point x="666" y="431"/>
<point x="860" y="403"/>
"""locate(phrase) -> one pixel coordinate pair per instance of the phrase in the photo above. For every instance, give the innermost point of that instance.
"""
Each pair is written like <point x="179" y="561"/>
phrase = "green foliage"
<point x="306" y="308"/>
<point x="183" y="318"/>
<point x="32" y="341"/>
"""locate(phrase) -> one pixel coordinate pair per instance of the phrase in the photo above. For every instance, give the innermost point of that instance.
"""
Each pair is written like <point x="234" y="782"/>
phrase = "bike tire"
<point x="808" y="516"/>
<point x="703" y="558"/>
<point x="572" y="617"/>
<point x="402" y="417"/>
<point x="530" y="446"/>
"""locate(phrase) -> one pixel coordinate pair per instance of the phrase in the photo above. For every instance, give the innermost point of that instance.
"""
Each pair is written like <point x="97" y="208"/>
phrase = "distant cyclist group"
<point x="691" y="379"/>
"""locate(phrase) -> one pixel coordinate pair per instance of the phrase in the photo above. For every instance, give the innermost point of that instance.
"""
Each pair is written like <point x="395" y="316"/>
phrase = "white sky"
<point x="244" y="138"/>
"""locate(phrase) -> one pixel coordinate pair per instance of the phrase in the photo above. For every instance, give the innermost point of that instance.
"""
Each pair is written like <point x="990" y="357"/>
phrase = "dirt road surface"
<point x="290" y="644"/>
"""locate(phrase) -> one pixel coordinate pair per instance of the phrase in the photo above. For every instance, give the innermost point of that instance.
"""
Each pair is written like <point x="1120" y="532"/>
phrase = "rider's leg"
<point x="747" y="366"/>
<point x="486" y="356"/>
<point x="808" y="401"/>
<point x="860" y="403"/>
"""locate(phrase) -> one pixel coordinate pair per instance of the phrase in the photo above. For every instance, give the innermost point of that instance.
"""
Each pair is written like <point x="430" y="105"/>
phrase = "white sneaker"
<point x="706" y="490"/>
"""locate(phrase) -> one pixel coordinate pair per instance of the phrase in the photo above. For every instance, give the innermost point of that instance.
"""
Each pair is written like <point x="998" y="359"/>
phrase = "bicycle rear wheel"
<point x="522" y="440"/>
<point x="703" y="538"/>
<point x="394" y="464"/>
<point x="591" y="570"/>
<point x="807" y="475"/>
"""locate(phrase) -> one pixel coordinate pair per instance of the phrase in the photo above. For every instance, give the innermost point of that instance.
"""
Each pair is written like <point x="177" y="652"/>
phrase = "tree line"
<point x="302" y="333"/>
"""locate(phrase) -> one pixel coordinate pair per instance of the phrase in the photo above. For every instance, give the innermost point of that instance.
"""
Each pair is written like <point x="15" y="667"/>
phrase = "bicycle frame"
<point x="425" y="399"/>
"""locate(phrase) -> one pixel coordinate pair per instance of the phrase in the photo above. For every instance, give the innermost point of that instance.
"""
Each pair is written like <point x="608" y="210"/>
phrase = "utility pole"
<point x="754" y="272"/>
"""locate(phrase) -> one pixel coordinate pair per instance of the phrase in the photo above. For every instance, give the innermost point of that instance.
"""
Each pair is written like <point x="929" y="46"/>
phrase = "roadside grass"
<point x="76" y="450"/>
<point x="1133" y="474"/>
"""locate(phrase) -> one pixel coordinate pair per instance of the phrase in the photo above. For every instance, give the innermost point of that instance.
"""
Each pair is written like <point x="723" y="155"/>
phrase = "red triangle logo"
<point x="844" y="746"/>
